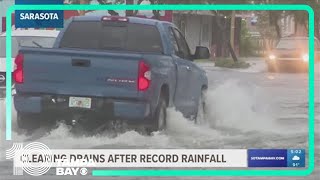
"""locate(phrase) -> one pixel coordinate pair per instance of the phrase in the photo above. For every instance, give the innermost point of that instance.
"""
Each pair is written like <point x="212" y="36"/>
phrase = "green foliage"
<point x="78" y="1"/>
<point x="264" y="26"/>
<point x="248" y="46"/>
<point x="202" y="60"/>
<point x="229" y="63"/>
<point x="99" y="1"/>
<point x="301" y="17"/>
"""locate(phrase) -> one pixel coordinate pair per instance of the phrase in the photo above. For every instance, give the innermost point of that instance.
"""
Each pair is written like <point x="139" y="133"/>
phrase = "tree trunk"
<point x="273" y="19"/>
<point x="278" y="30"/>
<point x="222" y="29"/>
<point x="156" y="13"/>
<point x="233" y="54"/>
<point x="83" y="12"/>
<point x="232" y="37"/>
<point x="232" y="27"/>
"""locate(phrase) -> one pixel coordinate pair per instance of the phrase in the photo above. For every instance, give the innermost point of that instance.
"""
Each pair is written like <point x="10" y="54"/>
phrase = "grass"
<point x="229" y="63"/>
<point x="203" y="60"/>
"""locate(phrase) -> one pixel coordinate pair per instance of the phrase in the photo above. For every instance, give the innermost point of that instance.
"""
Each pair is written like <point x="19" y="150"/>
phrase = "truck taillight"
<point x="18" y="72"/>
<point x="144" y="76"/>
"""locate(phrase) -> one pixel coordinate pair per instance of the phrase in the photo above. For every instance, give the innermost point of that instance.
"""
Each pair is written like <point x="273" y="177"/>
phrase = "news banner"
<point x="234" y="158"/>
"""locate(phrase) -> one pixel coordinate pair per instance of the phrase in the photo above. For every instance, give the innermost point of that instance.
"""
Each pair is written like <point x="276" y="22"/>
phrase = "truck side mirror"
<point x="201" y="53"/>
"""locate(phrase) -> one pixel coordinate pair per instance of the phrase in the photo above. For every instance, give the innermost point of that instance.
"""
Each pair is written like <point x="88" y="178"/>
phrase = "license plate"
<point x="80" y="102"/>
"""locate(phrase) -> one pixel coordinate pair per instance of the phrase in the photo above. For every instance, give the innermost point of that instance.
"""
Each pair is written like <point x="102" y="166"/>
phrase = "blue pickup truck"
<point x="109" y="68"/>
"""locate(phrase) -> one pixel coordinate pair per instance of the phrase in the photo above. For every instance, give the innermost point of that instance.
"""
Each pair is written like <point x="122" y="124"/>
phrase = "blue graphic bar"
<point x="39" y="18"/>
<point x="296" y="158"/>
<point x="276" y="158"/>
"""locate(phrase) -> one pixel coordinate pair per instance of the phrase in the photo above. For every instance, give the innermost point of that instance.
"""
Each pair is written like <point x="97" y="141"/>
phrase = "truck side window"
<point x="174" y="42"/>
<point x="127" y="37"/>
<point x="182" y="43"/>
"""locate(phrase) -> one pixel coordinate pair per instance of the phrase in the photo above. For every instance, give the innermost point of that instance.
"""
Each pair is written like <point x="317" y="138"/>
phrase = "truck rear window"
<point x="115" y="36"/>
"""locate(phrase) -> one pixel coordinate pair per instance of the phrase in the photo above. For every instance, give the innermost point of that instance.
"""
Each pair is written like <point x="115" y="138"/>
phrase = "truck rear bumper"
<point x="55" y="107"/>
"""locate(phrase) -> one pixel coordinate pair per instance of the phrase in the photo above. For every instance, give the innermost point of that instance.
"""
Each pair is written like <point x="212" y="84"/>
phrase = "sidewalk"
<point x="257" y="65"/>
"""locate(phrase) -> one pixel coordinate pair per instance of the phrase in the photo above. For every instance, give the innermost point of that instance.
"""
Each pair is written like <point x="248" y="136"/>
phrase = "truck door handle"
<point x="81" y="62"/>
<point x="188" y="68"/>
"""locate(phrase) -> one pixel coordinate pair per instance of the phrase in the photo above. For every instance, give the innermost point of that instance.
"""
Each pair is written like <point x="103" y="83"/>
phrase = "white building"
<point x="4" y="5"/>
<point x="195" y="26"/>
<point x="200" y="29"/>
<point x="287" y="25"/>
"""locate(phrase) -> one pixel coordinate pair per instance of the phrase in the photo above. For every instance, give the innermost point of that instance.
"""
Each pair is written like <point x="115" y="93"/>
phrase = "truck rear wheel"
<point x="160" y="117"/>
<point x="28" y="121"/>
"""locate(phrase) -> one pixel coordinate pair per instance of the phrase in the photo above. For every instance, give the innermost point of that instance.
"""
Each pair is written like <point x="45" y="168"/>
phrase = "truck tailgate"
<point x="78" y="72"/>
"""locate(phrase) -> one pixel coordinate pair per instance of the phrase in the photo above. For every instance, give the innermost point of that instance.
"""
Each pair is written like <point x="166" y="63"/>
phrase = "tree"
<point x="300" y="17"/>
<point x="223" y="28"/>
<point x="156" y="13"/>
<point x="267" y="31"/>
<point x="81" y="2"/>
<point x="229" y="41"/>
<point x="102" y="2"/>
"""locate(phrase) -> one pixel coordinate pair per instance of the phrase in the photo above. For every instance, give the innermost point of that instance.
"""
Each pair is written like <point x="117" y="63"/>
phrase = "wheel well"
<point x="165" y="93"/>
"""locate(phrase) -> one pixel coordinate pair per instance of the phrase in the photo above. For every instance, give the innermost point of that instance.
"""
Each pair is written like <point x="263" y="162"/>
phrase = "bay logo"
<point x="71" y="171"/>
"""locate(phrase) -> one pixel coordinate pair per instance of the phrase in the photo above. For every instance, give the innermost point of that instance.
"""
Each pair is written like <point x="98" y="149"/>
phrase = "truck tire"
<point x="160" y="116"/>
<point x="28" y="121"/>
<point x="201" y="112"/>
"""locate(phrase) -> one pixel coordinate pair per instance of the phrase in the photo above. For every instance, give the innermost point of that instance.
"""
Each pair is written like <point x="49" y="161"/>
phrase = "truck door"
<point x="182" y="58"/>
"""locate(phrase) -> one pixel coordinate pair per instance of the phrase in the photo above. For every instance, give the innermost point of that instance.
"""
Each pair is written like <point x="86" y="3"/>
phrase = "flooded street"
<point x="247" y="109"/>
